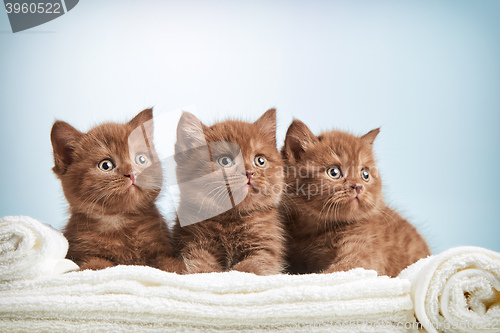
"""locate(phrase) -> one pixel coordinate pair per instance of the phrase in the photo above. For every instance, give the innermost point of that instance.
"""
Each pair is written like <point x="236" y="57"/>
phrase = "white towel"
<point x="129" y="298"/>
<point x="457" y="290"/>
<point x="30" y="249"/>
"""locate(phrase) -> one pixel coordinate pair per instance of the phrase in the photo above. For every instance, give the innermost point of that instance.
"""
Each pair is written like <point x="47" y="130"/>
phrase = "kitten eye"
<point x="365" y="175"/>
<point x="141" y="159"/>
<point x="334" y="172"/>
<point x="260" y="161"/>
<point x="225" y="161"/>
<point x="106" y="165"/>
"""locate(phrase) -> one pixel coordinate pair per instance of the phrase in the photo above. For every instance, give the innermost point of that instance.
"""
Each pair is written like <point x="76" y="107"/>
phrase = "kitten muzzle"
<point x="250" y="174"/>
<point x="358" y="188"/>
<point x="133" y="177"/>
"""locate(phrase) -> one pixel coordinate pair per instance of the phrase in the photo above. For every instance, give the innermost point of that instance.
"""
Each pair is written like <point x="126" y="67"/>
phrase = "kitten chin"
<point x="111" y="177"/>
<point x="230" y="180"/>
<point x="334" y="210"/>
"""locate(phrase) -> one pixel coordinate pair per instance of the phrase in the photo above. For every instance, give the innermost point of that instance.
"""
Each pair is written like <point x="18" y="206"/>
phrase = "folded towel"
<point x="30" y="249"/>
<point x="457" y="290"/>
<point x="127" y="298"/>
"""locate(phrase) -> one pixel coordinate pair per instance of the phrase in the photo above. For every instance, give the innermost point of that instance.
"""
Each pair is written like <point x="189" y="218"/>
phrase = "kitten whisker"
<point x="214" y="182"/>
<point x="207" y="196"/>
<point x="91" y="191"/>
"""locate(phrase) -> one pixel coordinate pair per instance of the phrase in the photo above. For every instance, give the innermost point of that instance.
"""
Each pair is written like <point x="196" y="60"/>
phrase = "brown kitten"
<point x="335" y="212"/>
<point x="111" y="177"/>
<point x="230" y="180"/>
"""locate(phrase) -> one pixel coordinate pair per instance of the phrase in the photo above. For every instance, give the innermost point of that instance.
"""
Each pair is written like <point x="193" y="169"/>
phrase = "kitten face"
<point x="333" y="174"/>
<point x="111" y="169"/>
<point x="229" y="166"/>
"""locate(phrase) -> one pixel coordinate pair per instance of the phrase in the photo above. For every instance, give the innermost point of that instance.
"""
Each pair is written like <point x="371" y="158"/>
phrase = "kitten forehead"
<point x="108" y="140"/>
<point x="246" y="135"/>
<point x="109" y="134"/>
<point x="345" y="148"/>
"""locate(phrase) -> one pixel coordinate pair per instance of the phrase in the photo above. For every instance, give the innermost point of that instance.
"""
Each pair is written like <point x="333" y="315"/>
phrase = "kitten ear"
<point x="298" y="138"/>
<point x="142" y="117"/>
<point x="267" y="124"/>
<point x="189" y="133"/>
<point x="370" y="136"/>
<point x="64" y="139"/>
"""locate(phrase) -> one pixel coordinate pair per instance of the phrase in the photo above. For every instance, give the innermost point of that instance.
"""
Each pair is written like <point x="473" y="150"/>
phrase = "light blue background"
<point x="428" y="72"/>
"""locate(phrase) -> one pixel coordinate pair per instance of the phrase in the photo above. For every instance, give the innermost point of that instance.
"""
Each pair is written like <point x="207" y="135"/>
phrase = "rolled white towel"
<point x="457" y="290"/>
<point x="30" y="249"/>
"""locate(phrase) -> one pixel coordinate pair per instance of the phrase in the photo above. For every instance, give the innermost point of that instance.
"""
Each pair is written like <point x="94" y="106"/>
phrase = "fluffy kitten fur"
<point x="111" y="177"/>
<point x="246" y="234"/>
<point x="340" y="224"/>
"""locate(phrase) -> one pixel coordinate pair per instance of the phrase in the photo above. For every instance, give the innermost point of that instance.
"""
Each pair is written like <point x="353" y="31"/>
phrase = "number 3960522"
<point x="40" y="7"/>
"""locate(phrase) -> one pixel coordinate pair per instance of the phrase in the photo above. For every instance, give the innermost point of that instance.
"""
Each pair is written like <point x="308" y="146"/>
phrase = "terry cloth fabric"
<point x="457" y="290"/>
<point x="30" y="249"/>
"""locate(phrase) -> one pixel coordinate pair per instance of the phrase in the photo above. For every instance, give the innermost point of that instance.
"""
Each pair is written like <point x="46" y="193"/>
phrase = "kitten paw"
<point x="257" y="267"/>
<point x="170" y="264"/>
<point x="201" y="261"/>
<point x="96" y="264"/>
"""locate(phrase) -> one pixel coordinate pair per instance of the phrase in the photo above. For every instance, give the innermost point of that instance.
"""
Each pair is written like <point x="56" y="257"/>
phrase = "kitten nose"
<point x="357" y="187"/>
<point x="132" y="175"/>
<point x="249" y="174"/>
